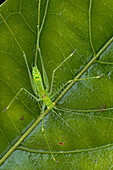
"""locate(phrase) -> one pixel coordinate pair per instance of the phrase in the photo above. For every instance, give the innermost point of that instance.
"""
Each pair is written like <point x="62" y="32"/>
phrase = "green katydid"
<point x="37" y="83"/>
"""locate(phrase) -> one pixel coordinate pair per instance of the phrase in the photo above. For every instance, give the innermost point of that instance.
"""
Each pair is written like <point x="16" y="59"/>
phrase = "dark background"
<point x="1" y="1"/>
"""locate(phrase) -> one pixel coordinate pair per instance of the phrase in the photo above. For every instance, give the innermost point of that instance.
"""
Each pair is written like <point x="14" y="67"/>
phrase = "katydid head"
<point x="51" y="106"/>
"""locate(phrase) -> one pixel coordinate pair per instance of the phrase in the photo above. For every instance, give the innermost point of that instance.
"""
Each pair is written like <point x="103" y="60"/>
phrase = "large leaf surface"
<point x="79" y="139"/>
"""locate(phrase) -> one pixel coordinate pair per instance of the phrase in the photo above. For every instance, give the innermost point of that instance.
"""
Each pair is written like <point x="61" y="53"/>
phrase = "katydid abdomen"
<point x="42" y="93"/>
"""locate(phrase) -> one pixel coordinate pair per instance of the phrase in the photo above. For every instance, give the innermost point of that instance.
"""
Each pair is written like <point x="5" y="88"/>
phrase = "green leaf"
<point x="80" y="133"/>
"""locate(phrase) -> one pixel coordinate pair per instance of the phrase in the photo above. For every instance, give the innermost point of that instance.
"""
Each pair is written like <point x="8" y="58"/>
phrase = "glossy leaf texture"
<point x="80" y="132"/>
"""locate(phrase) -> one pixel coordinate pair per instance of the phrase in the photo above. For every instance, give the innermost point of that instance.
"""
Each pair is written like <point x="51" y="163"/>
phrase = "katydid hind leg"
<point x="24" y="55"/>
<point x="30" y="76"/>
<point x="43" y="133"/>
